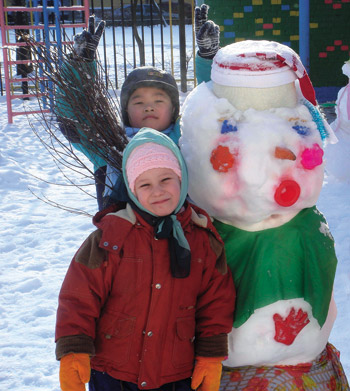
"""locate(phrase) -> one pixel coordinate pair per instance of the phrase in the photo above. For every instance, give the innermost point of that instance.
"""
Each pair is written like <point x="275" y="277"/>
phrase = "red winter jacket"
<point x="120" y="304"/>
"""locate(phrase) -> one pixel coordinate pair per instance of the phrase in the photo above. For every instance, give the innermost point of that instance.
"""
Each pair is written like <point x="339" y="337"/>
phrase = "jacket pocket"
<point x="113" y="338"/>
<point x="183" y="352"/>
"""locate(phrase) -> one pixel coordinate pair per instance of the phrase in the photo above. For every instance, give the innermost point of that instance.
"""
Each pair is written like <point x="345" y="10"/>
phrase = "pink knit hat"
<point x="148" y="156"/>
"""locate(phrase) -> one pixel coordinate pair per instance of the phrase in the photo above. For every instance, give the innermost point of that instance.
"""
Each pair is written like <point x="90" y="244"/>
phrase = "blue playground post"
<point x="304" y="33"/>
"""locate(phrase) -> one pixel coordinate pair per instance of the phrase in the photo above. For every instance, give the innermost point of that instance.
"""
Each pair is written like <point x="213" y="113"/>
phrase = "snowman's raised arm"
<point x="207" y="33"/>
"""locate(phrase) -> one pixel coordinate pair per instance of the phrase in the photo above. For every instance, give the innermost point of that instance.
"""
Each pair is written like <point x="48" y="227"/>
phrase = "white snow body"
<point x="337" y="156"/>
<point x="243" y="195"/>
<point x="253" y="343"/>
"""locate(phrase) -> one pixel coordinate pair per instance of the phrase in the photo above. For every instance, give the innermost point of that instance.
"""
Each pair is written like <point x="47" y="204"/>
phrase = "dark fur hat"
<point x="149" y="77"/>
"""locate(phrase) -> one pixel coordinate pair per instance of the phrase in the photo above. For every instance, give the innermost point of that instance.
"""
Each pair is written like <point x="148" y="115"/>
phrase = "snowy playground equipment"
<point x="42" y="30"/>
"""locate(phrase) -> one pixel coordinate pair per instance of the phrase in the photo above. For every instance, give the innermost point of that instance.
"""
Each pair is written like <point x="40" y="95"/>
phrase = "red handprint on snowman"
<point x="287" y="329"/>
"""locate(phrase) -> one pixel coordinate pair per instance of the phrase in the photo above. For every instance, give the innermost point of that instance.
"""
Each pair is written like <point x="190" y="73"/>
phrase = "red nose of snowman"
<point x="287" y="193"/>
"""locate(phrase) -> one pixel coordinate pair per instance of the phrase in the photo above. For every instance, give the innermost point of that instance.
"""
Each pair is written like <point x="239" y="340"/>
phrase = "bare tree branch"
<point x="75" y="92"/>
<point x="59" y="206"/>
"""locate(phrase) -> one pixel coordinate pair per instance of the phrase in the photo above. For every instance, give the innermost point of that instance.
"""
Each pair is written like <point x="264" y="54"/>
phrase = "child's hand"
<point x="207" y="33"/>
<point x="207" y="373"/>
<point x="74" y="371"/>
<point x="200" y="17"/>
<point x="85" y="43"/>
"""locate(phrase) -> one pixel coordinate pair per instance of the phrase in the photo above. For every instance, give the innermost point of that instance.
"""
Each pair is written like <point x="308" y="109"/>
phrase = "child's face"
<point x="158" y="190"/>
<point x="150" y="107"/>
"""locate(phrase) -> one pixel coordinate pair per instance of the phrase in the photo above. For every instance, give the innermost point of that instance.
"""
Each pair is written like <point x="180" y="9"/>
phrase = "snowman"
<point x="337" y="156"/>
<point x="253" y="140"/>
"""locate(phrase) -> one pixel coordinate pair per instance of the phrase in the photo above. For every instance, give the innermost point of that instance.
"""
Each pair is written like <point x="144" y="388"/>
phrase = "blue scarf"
<point x="131" y="132"/>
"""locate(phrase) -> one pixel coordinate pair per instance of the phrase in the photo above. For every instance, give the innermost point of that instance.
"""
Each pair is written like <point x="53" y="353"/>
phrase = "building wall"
<point x="278" y="20"/>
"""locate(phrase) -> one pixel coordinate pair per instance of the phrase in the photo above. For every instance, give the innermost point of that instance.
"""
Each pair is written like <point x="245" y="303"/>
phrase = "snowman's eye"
<point x="302" y="130"/>
<point x="227" y="127"/>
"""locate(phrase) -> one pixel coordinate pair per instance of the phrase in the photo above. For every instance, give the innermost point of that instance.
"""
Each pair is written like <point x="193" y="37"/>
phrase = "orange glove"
<point x="207" y="373"/>
<point x="74" y="371"/>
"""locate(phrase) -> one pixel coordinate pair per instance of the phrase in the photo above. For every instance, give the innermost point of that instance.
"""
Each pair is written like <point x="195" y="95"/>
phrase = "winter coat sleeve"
<point x="83" y="293"/>
<point x="94" y="158"/>
<point x="203" y="69"/>
<point x="65" y="108"/>
<point x="216" y="301"/>
<point x="112" y="177"/>
<point x="70" y="88"/>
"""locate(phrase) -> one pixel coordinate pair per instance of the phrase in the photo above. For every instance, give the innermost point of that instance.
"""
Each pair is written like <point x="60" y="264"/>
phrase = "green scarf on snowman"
<point x="295" y="260"/>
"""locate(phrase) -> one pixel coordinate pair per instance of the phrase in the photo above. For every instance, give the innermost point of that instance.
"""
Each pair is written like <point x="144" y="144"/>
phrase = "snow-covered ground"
<point x="37" y="243"/>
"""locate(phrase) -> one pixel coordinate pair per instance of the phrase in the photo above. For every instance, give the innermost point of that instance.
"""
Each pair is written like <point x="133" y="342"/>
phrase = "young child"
<point x="149" y="98"/>
<point x="147" y="300"/>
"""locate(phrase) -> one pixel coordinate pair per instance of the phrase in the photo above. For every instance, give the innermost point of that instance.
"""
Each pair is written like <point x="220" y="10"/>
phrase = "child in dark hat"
<point x="149" y="98"/>
<point x="144" y="99"/>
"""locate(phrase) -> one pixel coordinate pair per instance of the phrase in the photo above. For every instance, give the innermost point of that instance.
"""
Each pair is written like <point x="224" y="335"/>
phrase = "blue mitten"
<point x="85" y="43"/>
<point x="207" y="33"/>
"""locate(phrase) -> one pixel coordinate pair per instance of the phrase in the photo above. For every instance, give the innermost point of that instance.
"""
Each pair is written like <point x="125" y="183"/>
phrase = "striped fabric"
<point x="325" y="373"/>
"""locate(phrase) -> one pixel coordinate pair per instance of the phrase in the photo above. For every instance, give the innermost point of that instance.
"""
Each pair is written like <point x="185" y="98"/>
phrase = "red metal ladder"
<point x="9" y="42"/>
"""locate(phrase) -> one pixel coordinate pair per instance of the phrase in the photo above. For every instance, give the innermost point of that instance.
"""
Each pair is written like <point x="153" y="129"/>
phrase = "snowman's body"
<point x="253" y="343"/>
<point x="342" y="109"/>
<point x="261" y="168"/>
<point x="253" y="142"/>
<point x="338" y="155"/>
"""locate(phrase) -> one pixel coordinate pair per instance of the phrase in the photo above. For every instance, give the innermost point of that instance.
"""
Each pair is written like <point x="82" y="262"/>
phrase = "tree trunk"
<point x="140" y="43"/>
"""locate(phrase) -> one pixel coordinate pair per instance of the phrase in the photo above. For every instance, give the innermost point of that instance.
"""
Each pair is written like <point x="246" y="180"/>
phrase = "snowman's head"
<point x="259" y="75"/>
<point x="246" y="163"/>
<point x="346" y="68"/>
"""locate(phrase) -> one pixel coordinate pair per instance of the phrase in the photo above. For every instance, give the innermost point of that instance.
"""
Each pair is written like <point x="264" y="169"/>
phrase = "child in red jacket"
<point x="148" y="299"/>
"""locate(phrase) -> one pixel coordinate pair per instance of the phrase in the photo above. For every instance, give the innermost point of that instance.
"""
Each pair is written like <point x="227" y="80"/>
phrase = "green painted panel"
<point x="278" y="20"/>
